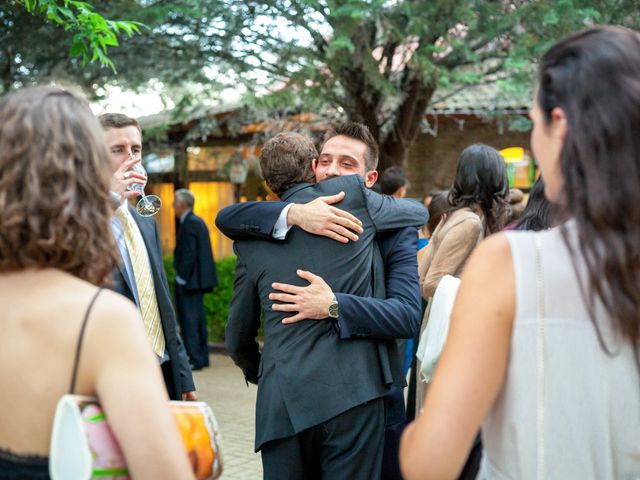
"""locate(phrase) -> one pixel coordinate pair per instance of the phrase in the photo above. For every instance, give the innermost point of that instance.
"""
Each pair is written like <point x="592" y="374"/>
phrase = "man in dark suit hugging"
<point x="320" y="403"/>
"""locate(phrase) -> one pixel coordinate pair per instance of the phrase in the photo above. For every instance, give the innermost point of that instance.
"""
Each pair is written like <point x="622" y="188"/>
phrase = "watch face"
<point x="333" y="310"/>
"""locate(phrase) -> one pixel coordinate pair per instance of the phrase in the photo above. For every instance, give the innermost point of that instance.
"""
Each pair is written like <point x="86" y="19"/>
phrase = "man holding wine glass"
<point x="140" y="276"/>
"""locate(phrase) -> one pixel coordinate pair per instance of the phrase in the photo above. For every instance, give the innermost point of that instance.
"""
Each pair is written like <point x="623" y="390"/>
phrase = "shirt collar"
<point x="117" y="200"/>
<point x="183" y="216"/>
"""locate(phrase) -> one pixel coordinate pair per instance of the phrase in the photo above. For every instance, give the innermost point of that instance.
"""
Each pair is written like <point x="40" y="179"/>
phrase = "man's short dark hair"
<point x="118" y="120"/>
<point x="358" y="131"/>
<point x="392" y="179"/>
<point x="286" y="160"/>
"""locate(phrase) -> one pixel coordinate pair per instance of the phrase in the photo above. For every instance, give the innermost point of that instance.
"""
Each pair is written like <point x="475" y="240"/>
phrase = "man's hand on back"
<point x="320" y="218"/>
<point x="310" y="302"/>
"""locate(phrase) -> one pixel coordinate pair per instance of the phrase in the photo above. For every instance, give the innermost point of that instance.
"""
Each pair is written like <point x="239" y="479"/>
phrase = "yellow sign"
<point x="519" y="167"/>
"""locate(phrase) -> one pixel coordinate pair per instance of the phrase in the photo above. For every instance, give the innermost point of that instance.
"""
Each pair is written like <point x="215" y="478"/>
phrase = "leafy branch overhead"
<point x="380" y="62"/>
<point x="383" y="62"/>
<point x="92" y="33"/>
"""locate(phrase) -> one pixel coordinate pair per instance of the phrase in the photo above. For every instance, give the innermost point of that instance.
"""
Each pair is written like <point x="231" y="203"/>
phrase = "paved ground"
<point x="222" y="386"/>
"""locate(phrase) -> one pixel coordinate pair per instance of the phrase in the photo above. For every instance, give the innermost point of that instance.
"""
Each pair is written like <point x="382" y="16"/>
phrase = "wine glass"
<point x="148" y="205"/>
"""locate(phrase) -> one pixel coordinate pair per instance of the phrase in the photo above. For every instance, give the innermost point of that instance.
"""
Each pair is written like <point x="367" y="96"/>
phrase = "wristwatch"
<point x="334" y="312"/>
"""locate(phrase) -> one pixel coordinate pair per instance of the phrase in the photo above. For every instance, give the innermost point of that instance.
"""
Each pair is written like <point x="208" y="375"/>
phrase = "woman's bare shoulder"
<point x="493" y="252"/>
<point x="489" y="271"/>
<point x="113" y="308"/>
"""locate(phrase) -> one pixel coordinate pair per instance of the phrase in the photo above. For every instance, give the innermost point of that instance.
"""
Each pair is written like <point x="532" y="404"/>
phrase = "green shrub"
<point x="216" y="303"/>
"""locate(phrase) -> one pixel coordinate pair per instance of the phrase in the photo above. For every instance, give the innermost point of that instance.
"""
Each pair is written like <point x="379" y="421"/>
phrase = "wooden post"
<point x="181" y="165"/>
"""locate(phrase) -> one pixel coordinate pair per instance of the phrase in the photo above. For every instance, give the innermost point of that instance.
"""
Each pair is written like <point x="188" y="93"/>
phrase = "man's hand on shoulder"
<point x="320" y="218"/>
<point x="310" y="302"/>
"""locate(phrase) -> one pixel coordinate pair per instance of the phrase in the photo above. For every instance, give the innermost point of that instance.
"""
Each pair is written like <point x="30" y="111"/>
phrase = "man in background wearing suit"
<point x="141" y="277"/>
<point x="320" y="405"/>
<point x="195" y="275"/>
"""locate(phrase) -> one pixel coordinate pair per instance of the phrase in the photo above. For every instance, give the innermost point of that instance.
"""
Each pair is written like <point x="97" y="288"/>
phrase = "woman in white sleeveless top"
<point x="543" y="351"/>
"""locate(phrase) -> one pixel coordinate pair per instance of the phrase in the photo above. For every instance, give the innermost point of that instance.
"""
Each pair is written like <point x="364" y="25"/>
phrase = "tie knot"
<point x="126" y="220"/>
<point x="121" y="213"/>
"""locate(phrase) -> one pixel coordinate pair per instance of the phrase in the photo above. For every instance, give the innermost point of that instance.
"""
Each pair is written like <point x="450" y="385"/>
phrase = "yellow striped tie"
<point x="144" y="280"/>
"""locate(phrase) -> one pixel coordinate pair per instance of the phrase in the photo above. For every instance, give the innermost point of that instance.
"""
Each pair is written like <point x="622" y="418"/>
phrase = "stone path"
<point x="222" y="386"/>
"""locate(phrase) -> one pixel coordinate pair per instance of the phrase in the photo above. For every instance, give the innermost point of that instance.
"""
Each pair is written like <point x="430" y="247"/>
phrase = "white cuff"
<point x="281" y="228"/>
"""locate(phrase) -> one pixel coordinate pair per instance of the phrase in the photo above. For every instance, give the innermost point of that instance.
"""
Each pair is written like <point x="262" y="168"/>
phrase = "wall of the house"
<point x="432" y="161"/>
<point x="430" y="166"/>
<point x="211" y="197"/>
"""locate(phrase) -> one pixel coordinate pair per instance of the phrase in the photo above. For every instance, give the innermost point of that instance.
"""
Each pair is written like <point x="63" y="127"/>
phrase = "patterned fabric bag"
<point x="83" y="446"/>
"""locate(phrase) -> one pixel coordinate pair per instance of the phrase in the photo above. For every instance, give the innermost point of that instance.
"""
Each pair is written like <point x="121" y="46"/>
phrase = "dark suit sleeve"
<point x="186" y="377"/>
<point x="243" y="323"/>
<point x="390" y="213"/>
<point x="207" y="278"/>
<point x="397" y="316"/>
<point x="189" y="248"/>
<point x="249" y="219"/>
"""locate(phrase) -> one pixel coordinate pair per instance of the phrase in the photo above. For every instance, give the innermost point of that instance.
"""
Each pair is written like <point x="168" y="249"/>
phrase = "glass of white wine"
<point x="148" y="205"/>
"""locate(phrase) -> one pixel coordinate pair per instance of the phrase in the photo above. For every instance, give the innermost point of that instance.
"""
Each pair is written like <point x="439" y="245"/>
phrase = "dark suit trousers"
<point x="348" y="446"/>
<point x="193" y="324"/>
<point x="396" y="421"/>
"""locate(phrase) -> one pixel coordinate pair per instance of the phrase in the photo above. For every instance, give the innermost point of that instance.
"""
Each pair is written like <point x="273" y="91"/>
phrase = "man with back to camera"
<point x="141" y="277"/>
<point x="195" y="275"/>
<point x="347" y="150"/>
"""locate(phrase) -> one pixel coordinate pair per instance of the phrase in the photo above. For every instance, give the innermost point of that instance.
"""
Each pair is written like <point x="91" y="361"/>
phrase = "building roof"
<point x="482" y="99"/>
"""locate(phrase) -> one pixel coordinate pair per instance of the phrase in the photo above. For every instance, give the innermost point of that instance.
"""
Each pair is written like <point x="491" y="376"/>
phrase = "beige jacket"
<point x="447" y="252"/>
<point x="449" y="248"/>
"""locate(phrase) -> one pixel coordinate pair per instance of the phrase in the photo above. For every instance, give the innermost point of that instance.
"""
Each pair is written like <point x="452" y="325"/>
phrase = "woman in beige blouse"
<point x="479" y="207"/>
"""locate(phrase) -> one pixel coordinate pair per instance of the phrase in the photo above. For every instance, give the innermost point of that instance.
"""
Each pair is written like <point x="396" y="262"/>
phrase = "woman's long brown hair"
<point x="594" y="77"/>
<point x="55" y="208"/>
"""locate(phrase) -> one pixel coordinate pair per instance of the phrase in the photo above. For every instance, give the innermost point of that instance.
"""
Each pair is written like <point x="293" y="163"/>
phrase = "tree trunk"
<point x="181" y="165"/>
<point x="395" y="148"/>
<point x="6" y="73"/>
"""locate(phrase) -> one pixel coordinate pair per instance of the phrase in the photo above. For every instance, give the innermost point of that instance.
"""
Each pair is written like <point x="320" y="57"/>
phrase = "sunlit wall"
<point x="210" y="198"/>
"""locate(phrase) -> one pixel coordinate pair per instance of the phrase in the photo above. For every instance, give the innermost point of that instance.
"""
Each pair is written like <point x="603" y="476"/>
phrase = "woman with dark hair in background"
<point x="544" y="345"/>
<point x="438" y="207"/>
<point x="539" y="212"/>
<point x="478" y="206"/>
<point x="56" y="247"/>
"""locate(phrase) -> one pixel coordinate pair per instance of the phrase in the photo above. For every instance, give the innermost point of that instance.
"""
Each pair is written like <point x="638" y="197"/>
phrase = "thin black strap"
<point x="80" y="337"/>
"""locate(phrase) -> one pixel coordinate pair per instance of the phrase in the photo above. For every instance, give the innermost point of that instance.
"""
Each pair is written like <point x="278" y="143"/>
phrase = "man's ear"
<point x="370" y="178"/>
<point x="314" y="163"/>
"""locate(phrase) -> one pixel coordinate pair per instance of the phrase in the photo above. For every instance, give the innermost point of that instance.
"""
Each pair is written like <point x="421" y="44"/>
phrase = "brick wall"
<point x="432" y="160"/>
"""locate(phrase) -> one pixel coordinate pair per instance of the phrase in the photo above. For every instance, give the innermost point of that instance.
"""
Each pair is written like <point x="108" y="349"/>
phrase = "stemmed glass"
<point x="148" y="205"/>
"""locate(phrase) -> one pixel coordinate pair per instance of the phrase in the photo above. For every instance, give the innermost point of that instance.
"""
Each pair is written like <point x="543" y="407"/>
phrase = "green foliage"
<point x="216" y="303"/>
<point x="178" y="53"/>
<point x="380" y="62"/>
<point x="92" y="33"/>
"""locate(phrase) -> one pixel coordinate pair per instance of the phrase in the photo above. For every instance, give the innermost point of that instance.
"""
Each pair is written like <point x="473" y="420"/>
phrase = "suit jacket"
<point x="192" y="258"/>
<point x="182" y="377"/>
<point x="302" y="372"/>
